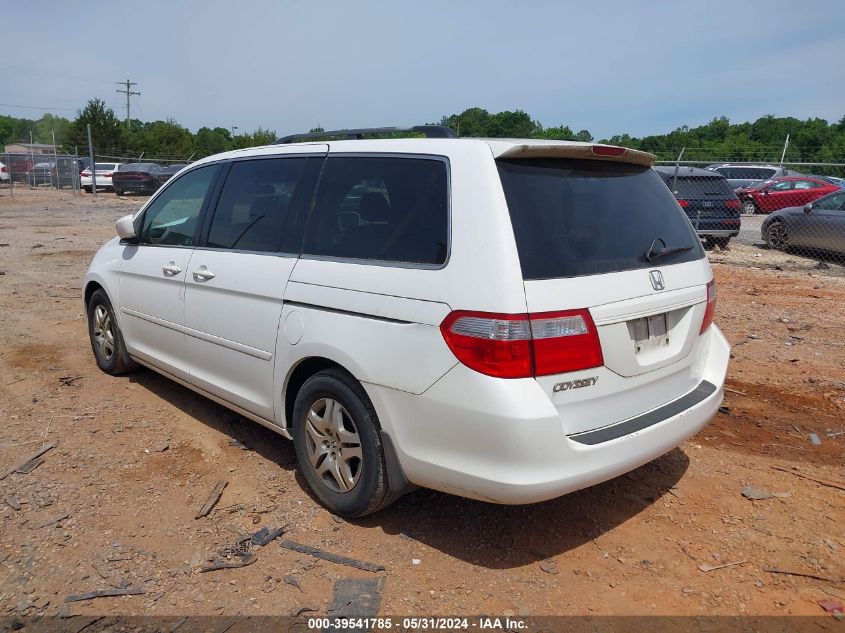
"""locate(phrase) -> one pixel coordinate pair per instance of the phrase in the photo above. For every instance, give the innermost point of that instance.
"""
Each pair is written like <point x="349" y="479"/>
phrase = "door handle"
<point x="171" y="269"/>
<point x="203" y="274"/>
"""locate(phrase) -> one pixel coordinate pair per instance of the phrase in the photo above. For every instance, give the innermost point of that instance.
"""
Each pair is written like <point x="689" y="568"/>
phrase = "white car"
<point x="5" y="177"/>
<point x="507" y="320"/>
<point x="103" y="173"/>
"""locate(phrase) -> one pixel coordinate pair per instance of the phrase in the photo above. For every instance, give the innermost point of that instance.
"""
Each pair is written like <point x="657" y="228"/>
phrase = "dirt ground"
<point x="113" y="503"/>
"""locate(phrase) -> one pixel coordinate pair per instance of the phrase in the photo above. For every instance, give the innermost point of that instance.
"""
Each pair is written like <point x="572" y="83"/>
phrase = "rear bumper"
<point x="503" y="440"/>
<point x="136" y="186"/>
<point x="717" y="233"/>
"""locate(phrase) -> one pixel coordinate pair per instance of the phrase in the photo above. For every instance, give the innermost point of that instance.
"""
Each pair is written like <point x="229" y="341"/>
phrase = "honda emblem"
<point x="656" y="280"/>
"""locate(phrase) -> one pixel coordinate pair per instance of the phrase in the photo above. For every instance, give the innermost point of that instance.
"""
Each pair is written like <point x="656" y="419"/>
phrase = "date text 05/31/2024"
<point x="418" y="623"/>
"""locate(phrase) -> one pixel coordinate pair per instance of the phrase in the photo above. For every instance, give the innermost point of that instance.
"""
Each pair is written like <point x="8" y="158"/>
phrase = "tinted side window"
<point x="381" y="208"/>
<point x="259" y="203"/>
<point x="172" y="217"/>
<point x="786" y="185"/>
<point x="834" y="202"/>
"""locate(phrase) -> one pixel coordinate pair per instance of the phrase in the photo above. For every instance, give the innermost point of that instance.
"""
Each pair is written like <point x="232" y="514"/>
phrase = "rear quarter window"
<point x="584" y="217"/>
<point x="381" y="208"/>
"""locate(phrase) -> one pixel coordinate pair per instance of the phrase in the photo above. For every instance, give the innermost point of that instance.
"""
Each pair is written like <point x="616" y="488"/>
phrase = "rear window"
<point x="747" y="173"/>
<point x="105" y="166"/>
<point x="140" y="167"/>
<point x="695" y="186"/>
<point x="583" y="217"/>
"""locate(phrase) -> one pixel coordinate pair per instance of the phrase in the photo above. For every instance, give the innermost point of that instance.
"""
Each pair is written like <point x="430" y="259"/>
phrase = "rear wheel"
<point x="338" y="445"/>
<point x="87" y="189"/>
<point x="118" y="192"/>
<point x="106" y="339"/>
<point x="721" y="242"/>
<point x="777" y="237"/>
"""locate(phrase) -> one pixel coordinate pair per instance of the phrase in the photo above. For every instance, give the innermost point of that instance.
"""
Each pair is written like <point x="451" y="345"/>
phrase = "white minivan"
<point x="507" y="320"/>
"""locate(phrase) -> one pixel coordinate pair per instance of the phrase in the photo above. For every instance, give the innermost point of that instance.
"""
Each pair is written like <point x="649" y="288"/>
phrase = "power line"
<point x="25" y="107"/>
<point x="128" y="92"/>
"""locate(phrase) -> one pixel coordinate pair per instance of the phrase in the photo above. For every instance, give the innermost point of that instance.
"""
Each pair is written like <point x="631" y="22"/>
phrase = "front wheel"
<point x="777" y="237"/>
<point x="338" y="445"/>
<point x="749" y="208"/>
<point x="106" y="339"/>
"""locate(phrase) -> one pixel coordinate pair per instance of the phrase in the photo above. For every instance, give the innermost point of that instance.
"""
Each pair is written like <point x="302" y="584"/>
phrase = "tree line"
<point x="810" y="140"/>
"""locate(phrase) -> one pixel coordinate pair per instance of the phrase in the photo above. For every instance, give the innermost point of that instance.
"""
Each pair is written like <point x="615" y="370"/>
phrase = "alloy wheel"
<point x="103" y="332"/>
<point x="334" y="446"/>
<point x="778" y="236"/>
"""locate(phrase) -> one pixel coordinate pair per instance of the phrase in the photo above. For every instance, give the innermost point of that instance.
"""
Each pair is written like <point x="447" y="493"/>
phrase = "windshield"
<point x="761" y="184"/>
<point x="586" y="217"/>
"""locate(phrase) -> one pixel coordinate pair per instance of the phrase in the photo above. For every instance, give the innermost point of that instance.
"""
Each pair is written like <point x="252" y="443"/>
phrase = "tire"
<point x="749" y="207"/>
<point x="354" y="484"/>
<point x="118" y="192"/>
<point x="106" y="338"/>
<point x="777" y="236"/>
<point x="87" y="189"/>
<point x="721" y="242"/>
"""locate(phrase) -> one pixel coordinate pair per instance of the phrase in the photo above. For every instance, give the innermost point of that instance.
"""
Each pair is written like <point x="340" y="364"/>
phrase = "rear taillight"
<point x="106" y="175"/>
<point x="732" y="203"/>
<point x="711" y="307"/>
<point x="683" y="203"/>
<point x="523" y="345"/>
<point x="3" y="169"/>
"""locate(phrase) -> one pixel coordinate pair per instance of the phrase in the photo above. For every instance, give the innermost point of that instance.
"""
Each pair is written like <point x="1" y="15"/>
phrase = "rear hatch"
<point x="709" y="202"/>
<point x="610" y="238"/>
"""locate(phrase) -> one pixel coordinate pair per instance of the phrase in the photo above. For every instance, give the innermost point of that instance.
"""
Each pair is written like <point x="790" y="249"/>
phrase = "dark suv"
<point x="708" y="200"/>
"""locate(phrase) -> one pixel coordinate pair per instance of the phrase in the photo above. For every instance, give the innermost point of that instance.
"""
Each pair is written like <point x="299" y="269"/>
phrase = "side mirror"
<point x="808" y="207"/>
<point x="125" y="228"/>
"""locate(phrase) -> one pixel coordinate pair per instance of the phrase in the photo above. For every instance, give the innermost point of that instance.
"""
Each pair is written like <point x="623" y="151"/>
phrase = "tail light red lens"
<point x="732" y="204"/>
<point x="711" y="307"/>
<point x="493" y="344"/>
<point x="523" y="345"/>
<point x="683" y="203"/>
<point x="3" y="169"/>
<point x="106" y="175"/>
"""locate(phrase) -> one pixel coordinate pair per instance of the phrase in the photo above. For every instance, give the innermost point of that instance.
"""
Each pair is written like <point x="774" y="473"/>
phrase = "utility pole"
<point x="128" y="92"/>
<point x="785" y="147"/>
<point x="93" y="165"/>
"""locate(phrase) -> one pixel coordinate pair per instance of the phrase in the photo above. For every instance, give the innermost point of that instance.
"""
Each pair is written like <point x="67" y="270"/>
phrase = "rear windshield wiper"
<point x="652" y="254"/>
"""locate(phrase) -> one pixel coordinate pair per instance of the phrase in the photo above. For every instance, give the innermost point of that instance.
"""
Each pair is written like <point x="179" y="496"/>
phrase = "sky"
<point x="608" y="66"/>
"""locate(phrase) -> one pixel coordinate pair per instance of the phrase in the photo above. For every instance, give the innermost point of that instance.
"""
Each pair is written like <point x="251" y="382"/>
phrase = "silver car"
<point x="740" y="176"/>
<point x="818" y="225"/>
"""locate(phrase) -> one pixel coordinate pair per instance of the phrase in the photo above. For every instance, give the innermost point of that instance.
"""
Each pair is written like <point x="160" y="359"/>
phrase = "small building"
<point x="29" y="148"/>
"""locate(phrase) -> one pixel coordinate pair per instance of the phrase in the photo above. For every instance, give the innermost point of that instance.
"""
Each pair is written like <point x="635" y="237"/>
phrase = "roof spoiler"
<point x="583" y="151"/>
<point x="430" y="131"/>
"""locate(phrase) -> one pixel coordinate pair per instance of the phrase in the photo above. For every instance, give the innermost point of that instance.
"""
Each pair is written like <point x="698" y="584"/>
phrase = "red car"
<point x="779" y="193"/>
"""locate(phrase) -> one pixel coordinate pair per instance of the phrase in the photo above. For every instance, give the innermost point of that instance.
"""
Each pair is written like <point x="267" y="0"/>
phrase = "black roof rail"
<point x="430" y="131"/>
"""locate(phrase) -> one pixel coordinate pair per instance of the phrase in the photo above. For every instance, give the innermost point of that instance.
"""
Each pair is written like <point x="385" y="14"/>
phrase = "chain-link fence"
<point x="73" y="172"/>
<point x="49" y="171"/>
<point x="780" y="208"/>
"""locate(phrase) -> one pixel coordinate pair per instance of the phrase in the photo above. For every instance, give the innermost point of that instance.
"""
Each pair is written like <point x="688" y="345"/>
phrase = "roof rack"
<point x="430" y="131"/>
